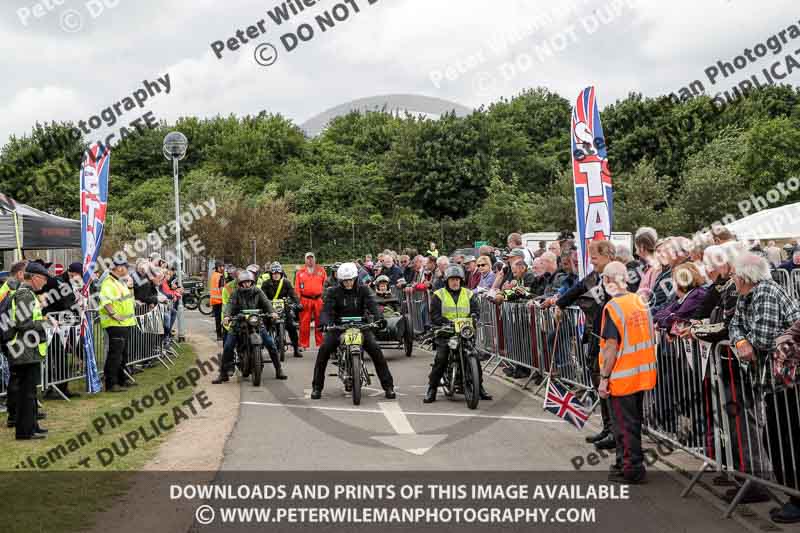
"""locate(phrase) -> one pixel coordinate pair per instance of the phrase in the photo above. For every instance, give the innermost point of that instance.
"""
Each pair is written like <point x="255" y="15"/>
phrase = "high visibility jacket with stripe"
<point x="116" y="293"/>
<point x="227" y="292"/>
<point x="310" y="284"/>
<point x="215" y="288"/>
<point x="635" y="367"/>
<point x="30" y="320"/>
<point x="452" y="308"/>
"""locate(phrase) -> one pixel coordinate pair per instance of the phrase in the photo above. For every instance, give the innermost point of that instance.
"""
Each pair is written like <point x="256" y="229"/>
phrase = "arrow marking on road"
<point x="406" y="438"/>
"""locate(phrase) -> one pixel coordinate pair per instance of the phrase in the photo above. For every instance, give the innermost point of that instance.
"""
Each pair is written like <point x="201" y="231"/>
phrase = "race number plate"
<point x="277" y="305"/>
<point x="459" y="323"/>
<point x="352" y="337"/>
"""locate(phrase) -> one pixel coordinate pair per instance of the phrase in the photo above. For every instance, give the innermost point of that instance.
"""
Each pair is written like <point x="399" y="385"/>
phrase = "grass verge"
<point x="63" y="495"/>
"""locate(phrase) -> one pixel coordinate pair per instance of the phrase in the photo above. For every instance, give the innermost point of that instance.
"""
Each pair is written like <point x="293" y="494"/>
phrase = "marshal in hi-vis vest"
<point x="452" y="309"/>
<point x="116" y="293"/>
<point x="635" y="367"/>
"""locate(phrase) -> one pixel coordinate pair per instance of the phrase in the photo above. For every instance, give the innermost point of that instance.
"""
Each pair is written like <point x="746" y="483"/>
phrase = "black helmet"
<point x="454" y="271"/>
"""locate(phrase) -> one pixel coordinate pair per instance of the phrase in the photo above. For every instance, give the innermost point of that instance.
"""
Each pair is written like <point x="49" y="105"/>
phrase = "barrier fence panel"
<point x="795" y="284"/>
<point x="761" y="422"/>
<point x="784" y="278"/>
<point x="516" y="317"/>
<point x="681" y="409"/>
<point x="65" y="360"/>
<point x="571" y="360"/>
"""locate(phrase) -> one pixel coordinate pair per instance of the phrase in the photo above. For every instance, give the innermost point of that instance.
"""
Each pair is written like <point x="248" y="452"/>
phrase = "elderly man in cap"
<point x="309" y="282"/>
<point x="117" y="319"/>
<point x="471" y="271"/>
<point x="28" y="348"/>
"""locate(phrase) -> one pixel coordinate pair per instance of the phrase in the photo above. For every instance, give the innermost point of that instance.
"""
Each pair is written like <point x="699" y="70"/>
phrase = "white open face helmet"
<point x="347" y="271"/>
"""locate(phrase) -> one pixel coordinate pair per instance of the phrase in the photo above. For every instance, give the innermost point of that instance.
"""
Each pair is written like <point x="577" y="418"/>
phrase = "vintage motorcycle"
<point x="249" y="347"/>
<point x="350" y="355"/>
<point x="463" y="365"/>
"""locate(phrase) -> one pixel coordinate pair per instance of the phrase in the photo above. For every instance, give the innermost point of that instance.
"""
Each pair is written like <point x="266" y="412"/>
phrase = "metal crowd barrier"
<point x="65" y="361"/>
<point x="789" y="281"/>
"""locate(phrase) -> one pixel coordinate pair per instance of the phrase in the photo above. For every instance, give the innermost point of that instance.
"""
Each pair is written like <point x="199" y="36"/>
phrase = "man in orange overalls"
<point x="309" y="282"/>
<point x="215" y="283"/>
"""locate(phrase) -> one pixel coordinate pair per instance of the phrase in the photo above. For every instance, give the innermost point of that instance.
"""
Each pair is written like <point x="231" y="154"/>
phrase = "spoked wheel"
<point x="472" y="382"/>
<point x="190" y="303"/>
<point x="280" y="342"/>
<point x="408" y="340"/>
<point x="356" y="374"/>
<point x="258" y="366"/>
<point x="246" y="368"/>
<point x="205" y="305"/>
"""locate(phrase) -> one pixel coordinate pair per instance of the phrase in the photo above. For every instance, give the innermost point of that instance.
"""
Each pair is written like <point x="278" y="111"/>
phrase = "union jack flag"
<point x="564" y="404"/>
<point x="594" y="198"/>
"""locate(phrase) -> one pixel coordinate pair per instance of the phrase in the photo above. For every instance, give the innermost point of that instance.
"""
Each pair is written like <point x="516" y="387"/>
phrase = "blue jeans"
<point x="232" y="339"/>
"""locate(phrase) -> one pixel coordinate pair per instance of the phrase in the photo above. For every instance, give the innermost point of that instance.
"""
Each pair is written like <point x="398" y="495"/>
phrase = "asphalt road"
<point x="280" y="428"/>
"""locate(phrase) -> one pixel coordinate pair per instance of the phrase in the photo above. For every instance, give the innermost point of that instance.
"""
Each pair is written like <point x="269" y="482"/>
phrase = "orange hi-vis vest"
<point x="635" y="367"/>
<point x="215" y="290"/>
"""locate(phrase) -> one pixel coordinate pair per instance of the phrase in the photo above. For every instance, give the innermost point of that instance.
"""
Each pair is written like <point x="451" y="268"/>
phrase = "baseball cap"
<point x="35" y="267"/>
<point x="75" y="267"/>
<point x="310" y="254"/>
<point x="469" y="259"/>
<point x="516" y="252"/>
<point x="120" y="261"/>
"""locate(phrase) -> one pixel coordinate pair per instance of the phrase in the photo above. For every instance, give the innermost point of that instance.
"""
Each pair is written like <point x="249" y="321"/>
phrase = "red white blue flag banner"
<point x="94" y="200"/>
<point x="594" y="198"/>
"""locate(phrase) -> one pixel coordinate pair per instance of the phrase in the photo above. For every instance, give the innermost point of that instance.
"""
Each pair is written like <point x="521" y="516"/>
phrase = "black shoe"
<point x="485" y="395"/>
<point x="10" y="424"/>
<point x="591" y="439"/>
<point x="298" y="354"/>
<point x="116" y="388"/>
<point x="280" y="375"/>
<point x="607" y="443"/>
<point x="754" y="494"/>
<point x="220" y="379"/>
<point x="617" y="476"/>
<point x="41" y="415"/>
<point x="615" y="468"/>
<point x="40" y="430"/>
<point x="390" y="394"/>
<point x="35" y="436"/>
<point x="788" y="514"/>
<point x="430" y="395"/>
<point x="316" y="394"/>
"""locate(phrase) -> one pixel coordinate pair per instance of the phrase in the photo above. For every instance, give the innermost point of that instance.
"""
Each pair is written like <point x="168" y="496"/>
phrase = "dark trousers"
<point x="291" y="329"/>
<point x="13" y="392"/>
<point x="27" y="408"/>
<point x="782" y="434"/>
<point x="117" y="358"/>
<point x="440" y="365"/>
<point x="627" y="413"/>
<point x="329" y="346"/>
<point x="229" y="346"/>
<point x="594" y="359"/>
<point x="217" y="312"/>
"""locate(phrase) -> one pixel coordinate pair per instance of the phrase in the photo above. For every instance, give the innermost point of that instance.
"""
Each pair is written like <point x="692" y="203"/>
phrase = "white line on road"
<point x="396" y="418"/>
<point x="408" y="413"/>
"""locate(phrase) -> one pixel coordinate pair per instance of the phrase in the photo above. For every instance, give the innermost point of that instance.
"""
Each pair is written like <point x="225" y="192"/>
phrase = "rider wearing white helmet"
<point x="350" y="299"/>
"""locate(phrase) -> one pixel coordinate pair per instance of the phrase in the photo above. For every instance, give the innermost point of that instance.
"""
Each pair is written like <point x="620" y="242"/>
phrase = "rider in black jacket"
<point x="349" y="299"/>
<point x="278" y="287"/>
<point x="247" y="296"/>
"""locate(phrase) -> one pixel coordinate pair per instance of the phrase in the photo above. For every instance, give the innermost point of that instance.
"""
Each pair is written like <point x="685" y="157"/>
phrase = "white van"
<point x="532" y="240"/>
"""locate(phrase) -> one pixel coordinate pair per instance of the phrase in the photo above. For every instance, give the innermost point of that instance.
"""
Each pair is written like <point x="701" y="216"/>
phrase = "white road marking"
<point x="397" y="419"/>
<point x="408" y="413"/>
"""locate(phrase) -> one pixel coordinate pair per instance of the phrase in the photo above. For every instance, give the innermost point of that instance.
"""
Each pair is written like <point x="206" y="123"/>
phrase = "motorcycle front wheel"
<point x="472" y="382"/>
<point x="356" y="374"/>
<point x="450" y="379"/>
<point x="190" y="302"/>
<point x="258" y="365"/>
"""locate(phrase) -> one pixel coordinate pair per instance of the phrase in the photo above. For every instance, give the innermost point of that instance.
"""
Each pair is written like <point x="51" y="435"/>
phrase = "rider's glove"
<point x="381" y="323"/>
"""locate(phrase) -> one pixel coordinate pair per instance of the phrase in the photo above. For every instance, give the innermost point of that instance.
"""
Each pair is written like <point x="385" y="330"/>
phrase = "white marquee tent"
<point x="776" y="223"/>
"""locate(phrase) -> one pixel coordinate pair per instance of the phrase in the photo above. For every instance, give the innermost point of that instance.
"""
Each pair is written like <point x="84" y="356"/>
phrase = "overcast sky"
<point x="71" y="62"/>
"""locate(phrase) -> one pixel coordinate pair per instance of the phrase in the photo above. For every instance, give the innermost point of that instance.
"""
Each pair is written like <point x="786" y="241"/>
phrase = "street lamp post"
<point x="175" y="145"/>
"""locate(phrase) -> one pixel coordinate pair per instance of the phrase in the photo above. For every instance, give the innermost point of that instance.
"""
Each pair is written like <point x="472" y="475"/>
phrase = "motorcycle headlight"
<point x="467" y="332"/>
<point x="453" y="343"/>
<point x="253" y="320"/>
